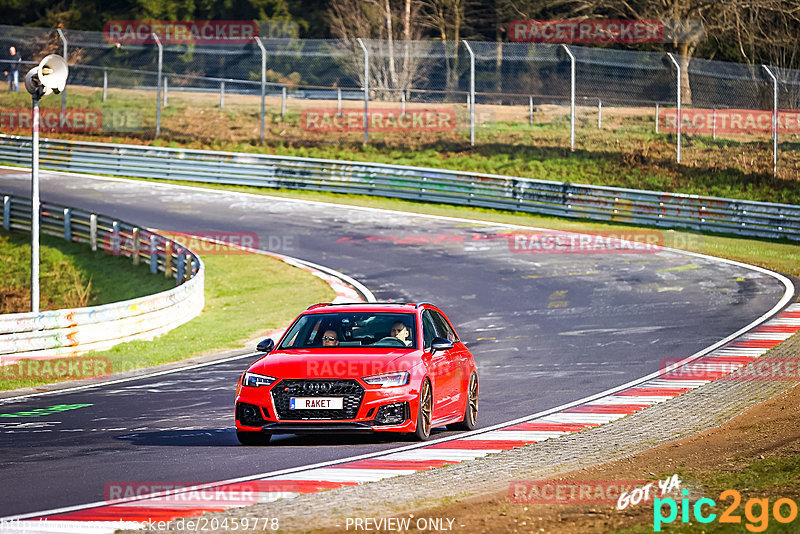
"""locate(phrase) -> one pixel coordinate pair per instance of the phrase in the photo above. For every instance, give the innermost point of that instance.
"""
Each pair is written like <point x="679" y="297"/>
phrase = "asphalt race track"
<point x="545" y="329"/>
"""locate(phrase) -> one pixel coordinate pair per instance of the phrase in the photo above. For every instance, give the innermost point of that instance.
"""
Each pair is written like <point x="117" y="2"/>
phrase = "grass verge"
<point x="245" y="295"/>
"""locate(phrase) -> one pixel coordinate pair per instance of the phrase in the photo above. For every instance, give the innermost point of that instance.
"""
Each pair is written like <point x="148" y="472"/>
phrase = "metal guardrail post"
<point x="471" y="93"/>
<point x="93" y="231"/>
<point x="153" y="254"/>
<point x="6" y="212"/>
<point x="181" y="268"/>
<point x="158" y="83"/>
<point x="135" y="246"/>
<point x="366" y="89"/>
<point x="774" y="120"/>
<point x="68" y="225"/>
<point x="115" y="239"/>
<point x="678" y="117"/>
<point x="64" y="92"/>
<point x="168" y="259"/>
<point x="571" y="97"/>
<point x="263" y="83"/>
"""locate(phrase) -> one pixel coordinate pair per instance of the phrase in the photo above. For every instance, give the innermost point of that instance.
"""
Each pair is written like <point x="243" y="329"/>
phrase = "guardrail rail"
<point x="563" y="199"/>
<point x="69" y="332"/>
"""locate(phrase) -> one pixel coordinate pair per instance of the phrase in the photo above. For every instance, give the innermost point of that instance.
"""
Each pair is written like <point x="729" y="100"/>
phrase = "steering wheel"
<point x="391" y="340"/>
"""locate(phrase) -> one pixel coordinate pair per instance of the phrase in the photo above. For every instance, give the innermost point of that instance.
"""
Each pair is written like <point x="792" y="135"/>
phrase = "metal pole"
<point x="105" y="83"/>
<point x="571" y="97"/>
<point x="656" y="117"/>
<point x="530" y="110"/>
<point x="283" y="101"/>
<point x="263" y="82"/>
<point x="158" y="83"/>
<point x="678" y="100"/>
<point x="599" y="114"/>
<point x="714" y="124"/>
<point x="35" y="208"/>
<point x="222" y="94"/>
<point x="366" y="88"/>
<point x="774" y="120"/>
<point x="403" y="102"/>
<point x="339" y="101"/>
<point x="166" y="90"/>
<point x="471" y="93"/>
<point x="63" y="93"/>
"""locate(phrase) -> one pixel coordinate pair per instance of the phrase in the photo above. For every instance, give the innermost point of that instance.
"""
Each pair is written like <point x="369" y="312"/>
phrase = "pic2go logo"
<point x="756" y="511"/>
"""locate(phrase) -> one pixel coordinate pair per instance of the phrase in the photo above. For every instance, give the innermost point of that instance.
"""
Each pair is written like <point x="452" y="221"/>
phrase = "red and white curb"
<point x="134" y="513"/>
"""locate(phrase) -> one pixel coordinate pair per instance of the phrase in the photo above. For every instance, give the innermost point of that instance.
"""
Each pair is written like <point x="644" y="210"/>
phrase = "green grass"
<point x="245" y="295"/>
<point x="71" y="275"/>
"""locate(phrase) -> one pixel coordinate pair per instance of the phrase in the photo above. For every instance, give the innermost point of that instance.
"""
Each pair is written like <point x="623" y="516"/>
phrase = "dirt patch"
<point x="769" y="430"/>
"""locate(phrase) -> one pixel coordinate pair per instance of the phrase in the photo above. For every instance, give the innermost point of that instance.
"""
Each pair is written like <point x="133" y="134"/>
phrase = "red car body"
<point x="369" y="382"/>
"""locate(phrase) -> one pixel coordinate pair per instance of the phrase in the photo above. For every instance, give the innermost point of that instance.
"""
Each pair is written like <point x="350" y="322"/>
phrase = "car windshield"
<point x="359" y="329"/>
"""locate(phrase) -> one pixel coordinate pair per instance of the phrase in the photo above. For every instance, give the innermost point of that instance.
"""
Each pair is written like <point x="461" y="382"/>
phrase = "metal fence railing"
<point x="68" y="332"/>
<point x="671" y="210"/>
<point x="312" y="92"/>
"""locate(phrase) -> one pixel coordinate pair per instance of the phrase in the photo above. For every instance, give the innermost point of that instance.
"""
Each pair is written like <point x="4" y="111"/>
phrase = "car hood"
<point x="338" y="363"/>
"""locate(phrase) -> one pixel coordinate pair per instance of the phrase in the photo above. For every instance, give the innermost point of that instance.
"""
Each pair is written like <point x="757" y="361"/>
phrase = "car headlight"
<point x="388" y="380"/>
<point x="255" y="380"/>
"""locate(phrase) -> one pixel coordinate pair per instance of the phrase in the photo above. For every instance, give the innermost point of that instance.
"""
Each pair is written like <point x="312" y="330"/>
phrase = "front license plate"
<point x="316" y="403"/>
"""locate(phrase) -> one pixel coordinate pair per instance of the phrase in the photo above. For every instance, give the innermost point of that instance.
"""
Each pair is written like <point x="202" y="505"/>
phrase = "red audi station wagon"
<point x="367" y="367"/>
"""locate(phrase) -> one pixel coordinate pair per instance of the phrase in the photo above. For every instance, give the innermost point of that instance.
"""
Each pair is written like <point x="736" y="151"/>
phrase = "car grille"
<point x="350" y="390"/>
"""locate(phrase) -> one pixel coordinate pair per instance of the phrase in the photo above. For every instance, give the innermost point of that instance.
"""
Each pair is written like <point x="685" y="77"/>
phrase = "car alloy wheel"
<point x="425" y="412"/>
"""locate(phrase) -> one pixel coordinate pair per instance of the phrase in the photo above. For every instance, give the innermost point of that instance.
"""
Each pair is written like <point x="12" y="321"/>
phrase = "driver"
<point x="330" y="338"/>
<point x="400" y="331"/>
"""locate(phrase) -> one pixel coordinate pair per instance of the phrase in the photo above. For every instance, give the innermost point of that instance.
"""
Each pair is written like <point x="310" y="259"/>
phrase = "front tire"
<point x="471" y="412"/>
<point x="424" y="412"/>
<point x="253" y="438"/>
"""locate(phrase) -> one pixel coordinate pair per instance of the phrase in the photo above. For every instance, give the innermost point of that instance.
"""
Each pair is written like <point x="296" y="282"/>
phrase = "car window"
<point x="443" y="328"/>
<point x="356" y="329"/>
<point x="428" y="329"/>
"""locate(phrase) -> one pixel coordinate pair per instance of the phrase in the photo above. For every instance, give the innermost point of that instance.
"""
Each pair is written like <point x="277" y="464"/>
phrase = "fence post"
<point x="678" y="117"/>
<point x="222" y="94"/>
<point x="166" y="90"/>
<point x="63" y="93"/>
<point x="181" y="268"/>
<point x="135" y="250"/>
<point x="656" y="117"/>
<point x="283" y="101"/>
<point x="714" y="124"/>
<point x="402" y="102"/>
<point x="263" y="82"/>
<point x="366" y="88"/>
<point x="93" y="231"/>
<point x="339" y="101"/>
<point x="67" y="224"/>
<point x="115" y="246"/>
<point x="105" y="84"/>
<point x="530" y="110"/>
<point x="471" y="93"/>
<point x="153" y="254"/>
<point x="571" y="97"/>
<point x="599" y="114"/>
<point x="774" y="120"/>
<point x="6" y="212"/>
<point x="158" y="83"/>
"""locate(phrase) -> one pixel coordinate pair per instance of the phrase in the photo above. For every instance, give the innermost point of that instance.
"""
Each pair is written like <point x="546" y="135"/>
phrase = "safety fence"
<point x="69" y="332"/>
<point x="670" y="210"/>
<point x="314" y="91"/>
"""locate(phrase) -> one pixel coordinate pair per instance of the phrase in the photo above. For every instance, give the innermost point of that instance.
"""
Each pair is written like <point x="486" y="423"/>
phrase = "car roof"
<point x="396" y="307"/>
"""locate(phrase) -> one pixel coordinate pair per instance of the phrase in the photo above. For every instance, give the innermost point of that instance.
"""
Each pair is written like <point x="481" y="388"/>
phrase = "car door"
<point x="441" y="368"/>
<point x="457" y="359"/>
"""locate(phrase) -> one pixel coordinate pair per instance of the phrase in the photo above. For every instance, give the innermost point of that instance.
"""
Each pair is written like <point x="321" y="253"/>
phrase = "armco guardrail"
<point x="759" y="219"/>
<point x="60" y="333"/>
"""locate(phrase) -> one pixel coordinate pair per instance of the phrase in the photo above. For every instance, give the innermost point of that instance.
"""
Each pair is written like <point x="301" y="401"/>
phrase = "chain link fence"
<point x="420" y="94"/>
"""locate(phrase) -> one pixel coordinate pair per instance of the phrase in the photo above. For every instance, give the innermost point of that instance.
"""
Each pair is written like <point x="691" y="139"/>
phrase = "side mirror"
<point x="440" y="343"/>
<point x="266" y="345"/>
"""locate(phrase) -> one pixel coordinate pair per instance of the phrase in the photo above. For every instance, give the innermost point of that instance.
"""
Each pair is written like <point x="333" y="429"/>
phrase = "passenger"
<point x="401" y="332"/>
<point x="330" y="339"/>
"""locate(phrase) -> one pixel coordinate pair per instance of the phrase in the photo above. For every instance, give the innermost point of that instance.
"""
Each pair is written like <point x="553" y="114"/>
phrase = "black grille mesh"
<point x="349" y="390"/>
